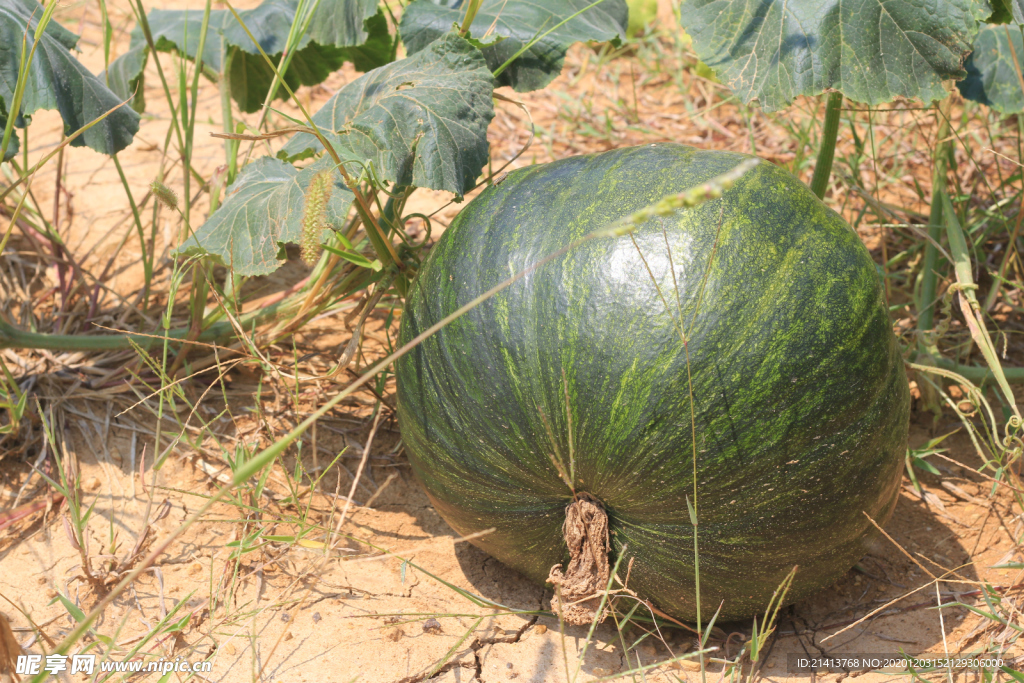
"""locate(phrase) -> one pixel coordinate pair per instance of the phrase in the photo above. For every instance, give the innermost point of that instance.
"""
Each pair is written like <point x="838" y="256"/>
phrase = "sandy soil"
<point x="366" y="618"/>
<point x="393" y="611"/>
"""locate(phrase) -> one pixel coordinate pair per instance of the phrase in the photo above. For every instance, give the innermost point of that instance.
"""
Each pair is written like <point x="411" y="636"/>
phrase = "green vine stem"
<point x="13" y="338"/>
<point x="394" y="206"/>
<point x="969" y="307"/>
<point x="940" y="159"/>
<point x="827" y="151"/>
<point x="188" y="110"/>
<point x="227" y="121"/>
<point x="975" y="373"/>
<point x="471" y="10"/>
<point x="146" y="257"/>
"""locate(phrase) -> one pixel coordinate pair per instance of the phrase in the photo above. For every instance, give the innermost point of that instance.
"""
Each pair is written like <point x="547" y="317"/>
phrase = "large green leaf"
<point x="56" y="80"/>
<point x="870" y="50"/>
<point x="269" y="23"/>
<point x="263" y="212"/>
<point x="420" y="121"/>
<point x="518" y="22"/>
<point x="992" y="77"/>
<point x="340" y="31"/>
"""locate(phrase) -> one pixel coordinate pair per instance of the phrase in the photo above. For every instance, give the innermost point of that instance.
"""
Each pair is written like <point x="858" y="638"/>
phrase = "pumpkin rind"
<point x="800" y="400"/>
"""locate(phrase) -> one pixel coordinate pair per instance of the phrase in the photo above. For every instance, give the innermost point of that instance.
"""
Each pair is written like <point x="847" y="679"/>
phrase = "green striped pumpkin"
<point x="800" y="400"/>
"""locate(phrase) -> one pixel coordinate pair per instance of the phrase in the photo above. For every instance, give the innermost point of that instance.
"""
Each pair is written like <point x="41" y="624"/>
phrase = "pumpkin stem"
<point x="586" y="534"/>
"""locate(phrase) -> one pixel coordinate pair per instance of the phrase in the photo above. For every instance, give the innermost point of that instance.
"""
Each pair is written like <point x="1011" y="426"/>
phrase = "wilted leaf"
<point x="1006" y="11"/>
<point x="518" y="22"/>
<point x="420" y="121"/>
<point x="870" y="50"/>
<point x="263" y="212"/>
<point x="58" y="81"/>
<point x="338" y="31"/>
<point x="10" y="648"/>
<point x="992" y="77"/>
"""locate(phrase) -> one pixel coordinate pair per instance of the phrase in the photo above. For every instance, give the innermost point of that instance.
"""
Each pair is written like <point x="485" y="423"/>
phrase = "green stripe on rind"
<point x="792" y="358"/>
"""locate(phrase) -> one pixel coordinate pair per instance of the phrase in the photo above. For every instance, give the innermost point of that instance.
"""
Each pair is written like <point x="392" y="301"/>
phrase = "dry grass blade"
<point x="359" y="473"/>
<point x="902" y="549"/>
<point x="11" y="516"/>
<point x="280" y="132"/>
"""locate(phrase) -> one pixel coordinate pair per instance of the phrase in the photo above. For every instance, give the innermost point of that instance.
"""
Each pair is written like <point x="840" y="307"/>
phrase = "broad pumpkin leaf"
<point x="870" y="50"/>
<point x="58" y="81"/>
<point x="346" y="25"/>
<point x="251" y="76"/>
<point x="261" y="213"/>
<point x="420" y="121"/>
<point x="505" y="26"/>
<point x="992" y="77"/>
